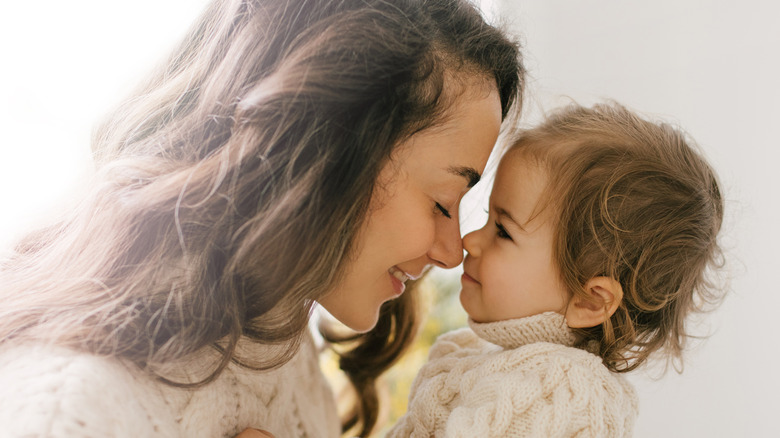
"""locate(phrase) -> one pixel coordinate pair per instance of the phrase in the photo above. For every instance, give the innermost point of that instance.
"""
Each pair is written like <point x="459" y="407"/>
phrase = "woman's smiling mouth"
<point x="398" y="278"/>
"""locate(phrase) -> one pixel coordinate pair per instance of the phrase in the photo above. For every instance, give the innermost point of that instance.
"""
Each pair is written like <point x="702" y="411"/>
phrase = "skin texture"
<point x="407" y="228"/>
<point x="509" y="271"/>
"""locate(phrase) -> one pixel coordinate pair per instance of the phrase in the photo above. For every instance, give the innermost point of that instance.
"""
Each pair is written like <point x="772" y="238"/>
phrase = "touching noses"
<point x="447" y="249"/>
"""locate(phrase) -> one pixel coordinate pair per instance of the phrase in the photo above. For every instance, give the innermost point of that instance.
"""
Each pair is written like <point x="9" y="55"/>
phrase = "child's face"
<point x="509" y="271"/>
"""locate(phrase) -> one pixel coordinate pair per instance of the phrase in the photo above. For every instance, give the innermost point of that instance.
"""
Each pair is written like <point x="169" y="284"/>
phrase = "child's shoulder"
<point x="547" y="355"/>
<point x="559" y="353"/>
<point x="523" y="385"/>
<point x="550" y="370"/>
<point x="571" y="367"/>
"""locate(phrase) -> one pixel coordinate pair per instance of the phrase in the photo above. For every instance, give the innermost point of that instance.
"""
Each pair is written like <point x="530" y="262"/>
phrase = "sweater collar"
<point x="514" y="333"/>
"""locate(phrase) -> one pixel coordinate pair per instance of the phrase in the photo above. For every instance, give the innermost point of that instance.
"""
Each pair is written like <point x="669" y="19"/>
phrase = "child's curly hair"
<point x="635" y="202"/>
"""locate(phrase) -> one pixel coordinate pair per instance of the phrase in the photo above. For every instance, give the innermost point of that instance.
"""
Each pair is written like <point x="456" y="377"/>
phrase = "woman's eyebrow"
<point x="471" y="175"/>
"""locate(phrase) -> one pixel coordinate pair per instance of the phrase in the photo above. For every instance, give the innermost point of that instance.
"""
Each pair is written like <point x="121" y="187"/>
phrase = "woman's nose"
<point x="447" y="248"/>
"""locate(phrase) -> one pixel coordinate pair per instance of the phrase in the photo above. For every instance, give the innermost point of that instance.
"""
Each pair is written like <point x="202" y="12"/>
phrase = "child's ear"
<point x="606" y="292"/>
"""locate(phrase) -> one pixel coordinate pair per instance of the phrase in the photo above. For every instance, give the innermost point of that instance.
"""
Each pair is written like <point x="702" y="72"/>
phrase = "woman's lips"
<point x="398" y="286"/>
<point x="398" y="278"/>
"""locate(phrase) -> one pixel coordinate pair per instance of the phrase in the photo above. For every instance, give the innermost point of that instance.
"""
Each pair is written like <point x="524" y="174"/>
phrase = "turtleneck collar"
<point x="514" y="333"/>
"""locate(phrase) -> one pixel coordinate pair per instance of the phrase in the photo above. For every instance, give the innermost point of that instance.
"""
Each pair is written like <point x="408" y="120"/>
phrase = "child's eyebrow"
<point x="471" y="175"/>
<point x="504" y="213"/>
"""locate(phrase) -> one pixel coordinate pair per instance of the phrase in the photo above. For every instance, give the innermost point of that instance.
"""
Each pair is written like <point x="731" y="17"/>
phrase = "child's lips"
<point x="467" y="277"/>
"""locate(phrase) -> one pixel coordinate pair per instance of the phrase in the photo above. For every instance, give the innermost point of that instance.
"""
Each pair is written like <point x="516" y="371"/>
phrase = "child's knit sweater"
<point x="520" y="377"/>
<point x="58" y="392"/>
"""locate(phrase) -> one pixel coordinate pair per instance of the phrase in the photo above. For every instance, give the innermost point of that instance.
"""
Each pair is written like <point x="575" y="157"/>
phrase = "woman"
<point x="288" y="153"/>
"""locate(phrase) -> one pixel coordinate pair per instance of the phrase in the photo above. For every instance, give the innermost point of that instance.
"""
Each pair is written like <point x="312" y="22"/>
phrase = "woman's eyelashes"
<point x="443" y="211"/>
<point x="501" y="232"/>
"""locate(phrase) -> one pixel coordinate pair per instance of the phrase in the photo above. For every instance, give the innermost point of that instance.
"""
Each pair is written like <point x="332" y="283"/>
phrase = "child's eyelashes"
<point x="443" y="211"/>
<point x="501" y="233"/>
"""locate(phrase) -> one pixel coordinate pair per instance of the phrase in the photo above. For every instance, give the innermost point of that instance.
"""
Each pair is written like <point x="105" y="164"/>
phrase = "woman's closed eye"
<point x="443" y="211"/>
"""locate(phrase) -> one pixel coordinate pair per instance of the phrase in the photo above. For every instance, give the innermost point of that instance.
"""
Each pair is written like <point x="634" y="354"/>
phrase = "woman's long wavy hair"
<point x="635" y="201"/>
<point x="229" y="188"/>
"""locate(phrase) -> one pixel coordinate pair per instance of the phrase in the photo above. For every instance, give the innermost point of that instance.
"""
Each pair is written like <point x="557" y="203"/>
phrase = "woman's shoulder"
<point x="57" y="370"/>
<point x="55" y="391"/>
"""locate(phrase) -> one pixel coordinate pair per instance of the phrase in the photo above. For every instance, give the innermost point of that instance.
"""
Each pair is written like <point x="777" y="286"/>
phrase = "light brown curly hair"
<point x="635" y="201"/>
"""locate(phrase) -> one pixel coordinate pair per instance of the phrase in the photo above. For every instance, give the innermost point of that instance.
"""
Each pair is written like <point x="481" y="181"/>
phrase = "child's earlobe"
<point x="606" y="295"/>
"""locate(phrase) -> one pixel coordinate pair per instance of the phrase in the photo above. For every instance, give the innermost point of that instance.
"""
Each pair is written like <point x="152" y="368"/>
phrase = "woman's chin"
<point x="360" y="322"/>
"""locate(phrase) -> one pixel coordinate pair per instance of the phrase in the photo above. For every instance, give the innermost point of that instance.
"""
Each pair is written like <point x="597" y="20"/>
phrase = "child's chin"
<point x="466" y="304"/>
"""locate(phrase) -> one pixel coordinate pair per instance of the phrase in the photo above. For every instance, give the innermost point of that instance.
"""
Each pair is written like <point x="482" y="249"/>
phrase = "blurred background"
<point x="711" y="67"/>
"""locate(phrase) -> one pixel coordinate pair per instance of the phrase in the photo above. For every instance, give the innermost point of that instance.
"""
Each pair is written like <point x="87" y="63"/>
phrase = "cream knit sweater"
<point x="56" y="392"/>
<point x="516" y="378"/>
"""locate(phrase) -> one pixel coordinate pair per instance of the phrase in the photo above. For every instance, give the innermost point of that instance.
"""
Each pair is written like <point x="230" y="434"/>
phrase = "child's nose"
<point x="471" y="243"/>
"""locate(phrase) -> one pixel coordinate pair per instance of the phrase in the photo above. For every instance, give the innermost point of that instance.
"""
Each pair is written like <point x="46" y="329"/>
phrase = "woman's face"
<point x="412" y="221"/>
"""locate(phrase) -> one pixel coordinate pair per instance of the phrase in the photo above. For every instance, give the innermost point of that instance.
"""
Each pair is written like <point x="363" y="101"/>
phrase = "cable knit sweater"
<point x="57" y="392"/>
<point x="514" y="378"/>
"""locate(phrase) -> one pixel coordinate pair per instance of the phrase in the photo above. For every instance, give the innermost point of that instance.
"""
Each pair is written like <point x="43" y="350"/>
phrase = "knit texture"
<point x="57" y="392"/>
<point x="516" y="378"/>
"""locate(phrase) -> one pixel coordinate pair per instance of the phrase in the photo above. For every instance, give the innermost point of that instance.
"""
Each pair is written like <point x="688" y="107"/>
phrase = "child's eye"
<point x="502" y="234"/>
<point x="443" y="211"/>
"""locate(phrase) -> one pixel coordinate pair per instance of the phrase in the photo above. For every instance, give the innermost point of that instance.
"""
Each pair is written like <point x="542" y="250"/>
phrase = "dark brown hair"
<point x="230" y="186"/>
<point x="635" y="201"/>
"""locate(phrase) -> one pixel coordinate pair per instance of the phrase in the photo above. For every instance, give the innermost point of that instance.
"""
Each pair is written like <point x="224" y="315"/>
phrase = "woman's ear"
<point x="606" y="294"/>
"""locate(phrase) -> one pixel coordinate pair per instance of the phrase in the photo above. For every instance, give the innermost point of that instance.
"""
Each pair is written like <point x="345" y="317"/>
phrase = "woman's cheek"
<point x="420" y="237"/>
<point x="412" y="221"/>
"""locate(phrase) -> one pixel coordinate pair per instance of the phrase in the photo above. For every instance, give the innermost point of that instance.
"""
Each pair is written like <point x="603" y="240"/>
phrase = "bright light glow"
<point x="65" y="64"/>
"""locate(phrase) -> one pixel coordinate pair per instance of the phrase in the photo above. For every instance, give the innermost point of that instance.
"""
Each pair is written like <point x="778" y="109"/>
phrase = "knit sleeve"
<point x="67" y="394"/>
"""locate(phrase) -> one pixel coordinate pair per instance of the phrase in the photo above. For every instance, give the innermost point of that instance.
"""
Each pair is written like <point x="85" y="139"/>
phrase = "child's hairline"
<point x="545" y="152"/>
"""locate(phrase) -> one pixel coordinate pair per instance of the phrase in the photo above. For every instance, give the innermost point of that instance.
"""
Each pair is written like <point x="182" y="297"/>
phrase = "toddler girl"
<point x="601" y="229"/>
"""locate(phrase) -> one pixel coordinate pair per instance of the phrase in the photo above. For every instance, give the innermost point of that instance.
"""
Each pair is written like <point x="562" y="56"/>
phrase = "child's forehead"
<point x="519" y="161"/>
<point x="521" y="187"/>
<point x="544" y="155"/>
<point x="519" y="180"/>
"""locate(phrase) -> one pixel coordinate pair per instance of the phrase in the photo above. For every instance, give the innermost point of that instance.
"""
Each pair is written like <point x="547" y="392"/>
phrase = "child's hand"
<point x="254" y="433"/>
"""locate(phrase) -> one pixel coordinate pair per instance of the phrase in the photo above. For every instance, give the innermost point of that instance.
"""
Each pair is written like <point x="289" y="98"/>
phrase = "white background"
<point x="63" y="65"/>
<point x="711" y="66"/>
